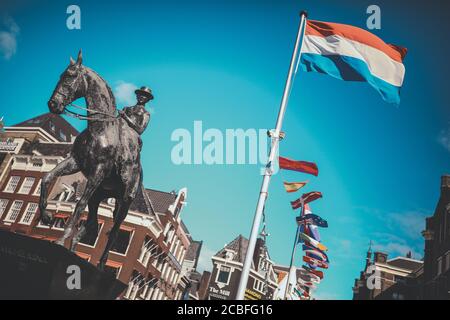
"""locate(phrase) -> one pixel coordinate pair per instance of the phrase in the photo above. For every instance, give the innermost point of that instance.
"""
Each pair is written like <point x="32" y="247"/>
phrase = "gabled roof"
<point x="161" y="200"/>
<point x="238" y="245"/>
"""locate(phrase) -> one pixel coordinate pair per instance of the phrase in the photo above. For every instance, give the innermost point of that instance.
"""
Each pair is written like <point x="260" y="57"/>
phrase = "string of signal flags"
<point x="308" y="223"/>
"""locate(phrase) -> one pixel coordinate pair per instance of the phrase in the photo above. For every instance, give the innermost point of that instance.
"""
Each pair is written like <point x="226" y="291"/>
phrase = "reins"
<point x="73" y="114"/>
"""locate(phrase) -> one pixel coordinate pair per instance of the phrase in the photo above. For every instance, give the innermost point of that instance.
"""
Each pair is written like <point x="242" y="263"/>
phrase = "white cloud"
<point x="444" y="138"/>
<point x="8" y="37"/>
<point x="412" y="223"/>
<point x="204" y="261"/>
<point x="401" y="231"/>
<point x="124" y="93"/>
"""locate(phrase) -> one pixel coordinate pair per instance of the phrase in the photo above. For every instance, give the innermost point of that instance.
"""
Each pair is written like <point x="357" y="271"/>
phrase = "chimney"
<point x="380" y="257"/>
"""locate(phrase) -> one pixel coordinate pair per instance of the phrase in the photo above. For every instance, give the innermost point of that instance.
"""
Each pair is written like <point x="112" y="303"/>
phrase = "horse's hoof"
<point x="73" y="246"/>
<point x="101" y="266"/>
<point x="60" y="242"/>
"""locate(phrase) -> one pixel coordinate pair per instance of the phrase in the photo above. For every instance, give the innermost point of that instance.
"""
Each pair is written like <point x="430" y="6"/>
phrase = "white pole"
<point x="268" y="171"/>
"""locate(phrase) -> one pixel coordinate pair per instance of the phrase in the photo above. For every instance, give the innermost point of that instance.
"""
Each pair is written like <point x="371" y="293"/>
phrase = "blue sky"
<point x="225" y="63"/>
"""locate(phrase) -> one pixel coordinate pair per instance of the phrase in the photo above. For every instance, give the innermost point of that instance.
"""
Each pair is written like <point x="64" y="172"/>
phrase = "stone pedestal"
<point x="37" y="269"/>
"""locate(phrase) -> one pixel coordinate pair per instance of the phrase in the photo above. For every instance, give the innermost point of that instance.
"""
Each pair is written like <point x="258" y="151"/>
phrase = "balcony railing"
<point x="174" y="260"/>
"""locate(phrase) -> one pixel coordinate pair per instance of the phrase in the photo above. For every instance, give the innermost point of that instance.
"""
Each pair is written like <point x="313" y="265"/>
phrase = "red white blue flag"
<point x="353" y="54"/>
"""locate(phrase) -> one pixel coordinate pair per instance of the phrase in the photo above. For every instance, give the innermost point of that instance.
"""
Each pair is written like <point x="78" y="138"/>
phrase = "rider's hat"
<point x="145" y="91"/>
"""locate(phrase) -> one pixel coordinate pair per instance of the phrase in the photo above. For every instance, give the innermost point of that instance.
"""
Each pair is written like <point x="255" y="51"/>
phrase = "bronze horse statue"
<point x="107" y="153"/>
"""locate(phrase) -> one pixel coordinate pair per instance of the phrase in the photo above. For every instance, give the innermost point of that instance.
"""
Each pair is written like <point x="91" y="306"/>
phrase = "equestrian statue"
<point x="107" y="152"/>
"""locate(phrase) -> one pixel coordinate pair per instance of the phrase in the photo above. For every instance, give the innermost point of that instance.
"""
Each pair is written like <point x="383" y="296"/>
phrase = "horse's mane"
<point x="113" y="99"/>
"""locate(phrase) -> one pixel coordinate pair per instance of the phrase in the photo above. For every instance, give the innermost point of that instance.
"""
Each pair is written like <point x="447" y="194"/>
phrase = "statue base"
<point x="37" y="269"/>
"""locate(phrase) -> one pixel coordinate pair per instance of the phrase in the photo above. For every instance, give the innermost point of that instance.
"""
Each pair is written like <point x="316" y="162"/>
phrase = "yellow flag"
<point x="294" y="186"/>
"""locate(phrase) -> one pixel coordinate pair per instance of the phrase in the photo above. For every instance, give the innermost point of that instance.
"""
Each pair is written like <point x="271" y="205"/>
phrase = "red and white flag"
<point x="300" y="166"/>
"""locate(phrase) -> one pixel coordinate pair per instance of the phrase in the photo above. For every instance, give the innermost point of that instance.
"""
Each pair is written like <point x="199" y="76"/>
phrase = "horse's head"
<point x="71" y="86"/>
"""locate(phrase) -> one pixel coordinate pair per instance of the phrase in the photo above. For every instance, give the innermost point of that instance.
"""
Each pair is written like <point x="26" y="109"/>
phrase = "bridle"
<point x="70" y="113"/>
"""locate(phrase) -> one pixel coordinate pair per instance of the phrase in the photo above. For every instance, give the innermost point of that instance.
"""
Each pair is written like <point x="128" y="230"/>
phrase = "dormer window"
<point x="229" y="254"/>
<point x="63" y="136"/>
<point x="52" y="126"/>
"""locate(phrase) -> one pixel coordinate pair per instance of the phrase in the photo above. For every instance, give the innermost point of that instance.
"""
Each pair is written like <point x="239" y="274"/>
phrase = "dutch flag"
<point x="353" y="54"/>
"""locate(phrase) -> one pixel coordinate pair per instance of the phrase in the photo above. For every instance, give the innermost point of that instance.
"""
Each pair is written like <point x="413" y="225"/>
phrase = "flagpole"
<point x="294" y="249"/>
<point x="268" y="170"/>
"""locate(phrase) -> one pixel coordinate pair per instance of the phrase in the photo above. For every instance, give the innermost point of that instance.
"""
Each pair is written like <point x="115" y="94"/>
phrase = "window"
<point x="29" y="213"/>
<point x="37" y="191"/>
<point x="224" y="274"/>
<point x="168" y="234"/>
<point x="136" y="280"/>
<point x="12" y="184"/>
<point x="3" y="204"/>
<point x="146" y="251"/>
<point x="112" y="270"/>
<point x="258" y="286"/>
<point x="122" y="242"/>
<point x="90" y="240"/>
<point x="14" y="211"/>
<point x="60" y="221"/>
<point x="263" y="264"/>
<point x="62" y="136"/>
<point x="27" y="185"/>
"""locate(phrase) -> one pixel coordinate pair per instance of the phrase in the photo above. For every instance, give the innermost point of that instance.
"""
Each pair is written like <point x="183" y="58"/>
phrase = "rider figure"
<point x="136" y="116"/>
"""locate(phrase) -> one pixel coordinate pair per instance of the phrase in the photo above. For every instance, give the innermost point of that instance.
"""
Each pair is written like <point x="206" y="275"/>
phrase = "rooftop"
<point x="238" y="245"/>
<point x="53" y="124"/>
<point x="405" y="263"/>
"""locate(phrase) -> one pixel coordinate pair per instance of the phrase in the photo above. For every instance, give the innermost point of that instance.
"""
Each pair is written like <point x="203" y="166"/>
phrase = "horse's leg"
<point x="65" y="167"/>
<point x="133" y="178"/>
<point x="91" y="226"/>
<point x="92" y="184"/>
<point x="121" y="212"/>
